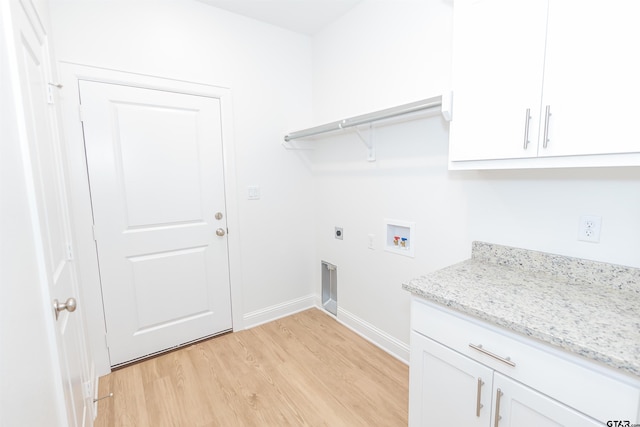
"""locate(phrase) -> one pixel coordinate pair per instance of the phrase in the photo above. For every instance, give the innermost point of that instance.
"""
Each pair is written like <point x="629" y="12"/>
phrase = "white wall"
<point x="388" y="52"/>
<point x="30" y="390"/>
<point x="269" y="73"/>
<point x="382" y="53"/>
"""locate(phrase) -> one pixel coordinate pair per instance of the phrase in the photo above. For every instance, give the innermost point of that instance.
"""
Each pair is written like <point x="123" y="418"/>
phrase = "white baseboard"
<point x="386" y="342"/>
<point x="258" y="317"/>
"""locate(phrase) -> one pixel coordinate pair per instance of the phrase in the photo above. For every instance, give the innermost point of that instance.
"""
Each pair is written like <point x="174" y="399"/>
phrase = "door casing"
<point x="70" y="74"/>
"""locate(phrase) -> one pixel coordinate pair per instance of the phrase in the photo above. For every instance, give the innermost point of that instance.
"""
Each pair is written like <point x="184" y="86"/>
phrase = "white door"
<point x="52" y="204"/>
<point x="157" y="188"/>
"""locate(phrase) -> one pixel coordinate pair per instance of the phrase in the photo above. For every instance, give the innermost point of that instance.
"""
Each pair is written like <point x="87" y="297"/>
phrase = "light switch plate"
<point x="253" y="192"/>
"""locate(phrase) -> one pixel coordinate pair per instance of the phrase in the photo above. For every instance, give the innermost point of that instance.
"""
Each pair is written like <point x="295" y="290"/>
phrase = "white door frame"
<point x="82" y="218"/>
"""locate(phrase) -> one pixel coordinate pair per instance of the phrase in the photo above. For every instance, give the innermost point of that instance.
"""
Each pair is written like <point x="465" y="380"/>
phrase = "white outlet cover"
<point x="589" y="228"/>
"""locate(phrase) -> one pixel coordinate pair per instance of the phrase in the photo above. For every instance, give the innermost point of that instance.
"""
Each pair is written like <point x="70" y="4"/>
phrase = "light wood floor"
<point x="302" y="370"/>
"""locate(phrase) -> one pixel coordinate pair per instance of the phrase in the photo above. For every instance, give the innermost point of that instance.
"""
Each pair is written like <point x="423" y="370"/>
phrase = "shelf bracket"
<point x="286" y="145"/>
<point x="368" y="143"/>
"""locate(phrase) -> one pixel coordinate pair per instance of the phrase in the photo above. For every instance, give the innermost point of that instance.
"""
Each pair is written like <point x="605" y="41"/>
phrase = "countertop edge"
<point x="607" y="360"/>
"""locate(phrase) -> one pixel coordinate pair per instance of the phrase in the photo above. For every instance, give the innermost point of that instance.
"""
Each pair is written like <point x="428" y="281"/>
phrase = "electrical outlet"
<point x="589" y="229"/>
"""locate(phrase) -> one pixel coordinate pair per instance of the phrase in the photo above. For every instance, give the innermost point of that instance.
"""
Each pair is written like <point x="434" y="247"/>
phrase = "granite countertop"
<point x="589" y="308"/>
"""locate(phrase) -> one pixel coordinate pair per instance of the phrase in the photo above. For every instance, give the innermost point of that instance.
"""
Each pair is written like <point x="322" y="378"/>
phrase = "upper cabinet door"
<point x="498" y="67"/>
<point x="592" y="77"/>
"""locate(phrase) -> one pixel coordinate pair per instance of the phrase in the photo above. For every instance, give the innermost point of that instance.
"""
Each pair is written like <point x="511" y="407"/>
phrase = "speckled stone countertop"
<point x="586" y="307"/>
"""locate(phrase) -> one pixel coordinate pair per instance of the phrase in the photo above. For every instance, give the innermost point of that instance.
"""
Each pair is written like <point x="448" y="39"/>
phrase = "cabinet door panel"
<point x="591" y="77"/>
<point x="497" y="75"/>
<point x="444" y="386"/>
<point x="523" y="407"/>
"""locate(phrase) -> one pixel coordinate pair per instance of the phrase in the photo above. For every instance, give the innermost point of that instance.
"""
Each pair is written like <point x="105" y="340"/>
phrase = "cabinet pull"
<point x="547" y="114"/>
<point x="478" y="395"/>
<point x="506" y="360"/>
<point x="498" y="416"/>
<point x="527" y="118"/>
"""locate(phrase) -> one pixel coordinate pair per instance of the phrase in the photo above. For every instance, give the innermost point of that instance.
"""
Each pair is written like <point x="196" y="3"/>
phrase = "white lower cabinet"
<point x="517" y="405"/>
<point x="465" y="372"/>
<point x="447" y="388"/>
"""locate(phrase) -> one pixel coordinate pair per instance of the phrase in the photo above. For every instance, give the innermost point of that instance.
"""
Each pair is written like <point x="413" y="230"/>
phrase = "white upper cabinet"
<point x="592" y="77"/>
<point x="545" y="84"/>
<point x="497" y="77"/>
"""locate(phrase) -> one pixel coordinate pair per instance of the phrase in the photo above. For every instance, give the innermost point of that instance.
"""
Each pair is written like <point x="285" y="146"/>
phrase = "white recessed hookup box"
<point x="400" y="237"/>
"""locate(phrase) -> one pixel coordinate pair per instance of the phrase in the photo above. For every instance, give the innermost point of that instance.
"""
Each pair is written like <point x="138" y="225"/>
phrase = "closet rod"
<point x="388" y="113"/>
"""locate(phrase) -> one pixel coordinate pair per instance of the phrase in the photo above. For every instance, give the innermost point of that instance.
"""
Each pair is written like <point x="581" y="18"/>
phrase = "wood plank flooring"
<point x="302" y="370"/>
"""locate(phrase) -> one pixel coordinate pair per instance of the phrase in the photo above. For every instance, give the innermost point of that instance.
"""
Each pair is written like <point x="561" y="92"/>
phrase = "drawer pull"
<point x="478" y="396"/>
<point x="498" y="416"/>
<point x="506" y="360"/>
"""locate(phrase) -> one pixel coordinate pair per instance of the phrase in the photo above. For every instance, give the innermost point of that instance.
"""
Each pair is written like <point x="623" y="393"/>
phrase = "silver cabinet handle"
<point x="70" y="305"/>
<point x="506" y="360"/>
<point x="478" y="397"/>
<point x="527" y="118"/>
<point x="498" y="417"/>
<point x="547" y="114"/>
<point x="220" y="232"/>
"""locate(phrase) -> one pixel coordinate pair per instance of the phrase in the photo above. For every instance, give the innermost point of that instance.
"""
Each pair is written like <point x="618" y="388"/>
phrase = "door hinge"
<point x="93" y="231"/>
<point x="106" y="344"/>
<point x="69" y="252"/>
<point x="86" y="390"/>
<point x="80" y="113"/>
<point x="49" y="94"/>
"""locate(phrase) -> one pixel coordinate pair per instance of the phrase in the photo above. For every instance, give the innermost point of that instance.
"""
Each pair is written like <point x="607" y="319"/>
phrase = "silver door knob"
<point x="220" y="232"/>
<point x="70" y="305"/>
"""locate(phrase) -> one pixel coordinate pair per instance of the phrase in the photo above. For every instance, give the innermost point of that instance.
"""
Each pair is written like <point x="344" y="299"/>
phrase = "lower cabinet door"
<point x="517" y="405"/>
<point x="446" y="388"/>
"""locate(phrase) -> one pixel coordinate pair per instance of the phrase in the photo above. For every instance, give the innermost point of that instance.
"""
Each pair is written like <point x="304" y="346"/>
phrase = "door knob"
<point x="220" y="232"/>
<point x="70" y="305"/>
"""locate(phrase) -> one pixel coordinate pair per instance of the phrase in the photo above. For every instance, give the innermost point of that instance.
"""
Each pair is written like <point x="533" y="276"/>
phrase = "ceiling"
<point x="301" y="16"/>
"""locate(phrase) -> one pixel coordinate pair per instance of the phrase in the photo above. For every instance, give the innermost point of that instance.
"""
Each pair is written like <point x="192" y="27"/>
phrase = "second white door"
<point x="157" y="187"/>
